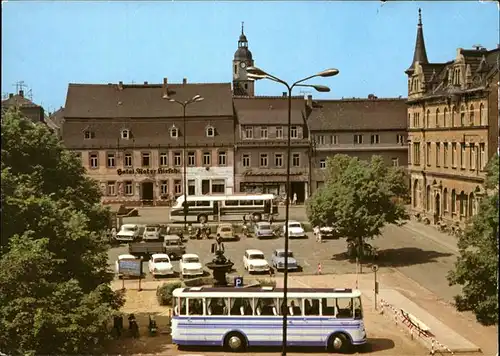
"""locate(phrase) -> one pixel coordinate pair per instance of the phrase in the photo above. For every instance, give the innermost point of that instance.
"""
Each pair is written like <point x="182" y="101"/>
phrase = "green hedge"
<point x="164" y="292"/>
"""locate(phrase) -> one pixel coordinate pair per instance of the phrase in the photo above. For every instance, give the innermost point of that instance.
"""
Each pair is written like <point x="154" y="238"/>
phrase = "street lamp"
<point x="194" y="99"/>
<point x="257" y="74"/>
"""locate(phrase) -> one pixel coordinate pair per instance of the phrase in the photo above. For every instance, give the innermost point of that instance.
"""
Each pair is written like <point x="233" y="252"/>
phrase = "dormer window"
<point x="174" y="132"/>
<point x="125" y="134"/>
<point x="88" y="134"/>
<point x="210" y="131"/>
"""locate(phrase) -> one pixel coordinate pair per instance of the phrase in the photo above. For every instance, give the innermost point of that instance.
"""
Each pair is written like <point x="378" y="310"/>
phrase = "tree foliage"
<point x="359" y="197"/>
<point x="54" y="281"/>
<point x="476" y="267"/>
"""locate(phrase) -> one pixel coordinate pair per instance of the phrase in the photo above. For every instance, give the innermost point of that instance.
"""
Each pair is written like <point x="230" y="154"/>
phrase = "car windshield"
<point x="161" y="260"/>
<point x="282" y="254"/>
<point x="294" y="225"/>
<point x="264" y="226"/>
<point x="257" y="256"/>
<point x="129" y="228"/>
<point x="191" y="260"/>
<point x="226" y="229"/>
<point x="151" y="229"/>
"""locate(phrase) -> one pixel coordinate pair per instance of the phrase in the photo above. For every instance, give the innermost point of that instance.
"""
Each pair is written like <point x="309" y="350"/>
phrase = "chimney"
<point x="184" y="80"/>
<point x="21" y="93"/>
<point x="145" y="83"/>
<point x="284" y="94"/>
<point x="11" y="95"/>
<point x="310" y="101"/>
<point x="120" y="85"/>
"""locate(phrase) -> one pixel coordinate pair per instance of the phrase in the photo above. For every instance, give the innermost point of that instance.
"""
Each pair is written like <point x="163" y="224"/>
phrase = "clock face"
<point x="243" y="65"/>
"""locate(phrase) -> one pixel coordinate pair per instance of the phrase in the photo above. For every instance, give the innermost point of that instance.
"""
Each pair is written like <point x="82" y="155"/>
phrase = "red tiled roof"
<point x="268" y="110"/>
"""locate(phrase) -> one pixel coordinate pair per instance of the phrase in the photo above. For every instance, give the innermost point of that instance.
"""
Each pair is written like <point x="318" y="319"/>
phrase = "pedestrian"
<point x="294" y="199"/>
<point x="318" y="234"/>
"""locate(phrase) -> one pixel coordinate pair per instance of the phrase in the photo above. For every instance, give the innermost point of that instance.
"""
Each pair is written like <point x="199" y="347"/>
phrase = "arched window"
<point x="437" y="117"/>
<point x="210" y="131"/>
<point x="445" y="117"/>
<point x="428" y="198"/>
<point x="472" y="205"/>
<point x="427" y="118"/>
<point x="445" y="200"/>
<point x="471" y="115"/>
<point x="453" y="123"/>
<point x="453" y="201"/>
<point x="482" y="115"/>
<point x="462" y="116"/>
<point x="174" y="132"/>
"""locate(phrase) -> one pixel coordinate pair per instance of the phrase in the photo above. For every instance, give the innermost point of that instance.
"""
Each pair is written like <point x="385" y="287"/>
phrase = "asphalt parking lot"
<point x="307" y="252"/>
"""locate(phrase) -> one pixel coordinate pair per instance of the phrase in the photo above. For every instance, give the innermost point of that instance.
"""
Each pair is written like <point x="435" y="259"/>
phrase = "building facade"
<point x="453" y="130"/>
<point x="359" y="128"/>
<point x="261" y="146"/>
<point x="131" y="139"/>
<point x="243" y="59"/>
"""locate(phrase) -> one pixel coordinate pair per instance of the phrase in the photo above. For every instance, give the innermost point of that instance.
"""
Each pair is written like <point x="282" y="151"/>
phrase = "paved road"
<point x="418" y="251"/>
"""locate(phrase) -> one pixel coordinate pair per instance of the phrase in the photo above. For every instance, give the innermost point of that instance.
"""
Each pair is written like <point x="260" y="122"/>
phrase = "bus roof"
<point x="254" y="292"/>
<point x="227" y="197"/>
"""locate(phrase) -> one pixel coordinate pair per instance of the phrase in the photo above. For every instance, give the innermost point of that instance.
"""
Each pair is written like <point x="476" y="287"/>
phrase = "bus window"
<point x="180" y="306"/>
<point x="240" y="306"/>
<point x="245" y="202"/>
<point x="231" y="203"/>
<point x="344" y="308"/>
<point x="328" y="306"/>
<point x="358" y="312"/>
<point x="311" y="307"/>
<point x="217" y="306"/>
<point x="266" y="306"/>
<point x="195" y="306"/>
<point x="191" y="203"/>
<point x="202" y="203"/>
<point x="292" y="308"/>
<point x="258" y="202"/>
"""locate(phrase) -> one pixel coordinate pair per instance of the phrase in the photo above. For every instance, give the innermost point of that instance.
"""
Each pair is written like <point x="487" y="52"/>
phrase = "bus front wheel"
<point x="235" y="342"/>
<point x="202" y="218"/>
<point x="339" y="342"/>
<point x="257" y="217"/>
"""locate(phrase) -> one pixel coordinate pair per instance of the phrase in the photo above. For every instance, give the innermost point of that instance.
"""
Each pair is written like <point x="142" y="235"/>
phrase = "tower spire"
<point x="420" y="54"/>
<point x="242" y="26"/>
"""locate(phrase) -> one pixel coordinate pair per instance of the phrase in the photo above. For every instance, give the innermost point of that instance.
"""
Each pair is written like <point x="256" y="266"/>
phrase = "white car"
<point x="254" y="261"/>
<point x="128" y="233"/>
<point x="123" y="257"/>
<point x="190" y="265"/>
<point x="151" y="233"/>
<point x="160" y="265"/>
<point x="295" y="229"/>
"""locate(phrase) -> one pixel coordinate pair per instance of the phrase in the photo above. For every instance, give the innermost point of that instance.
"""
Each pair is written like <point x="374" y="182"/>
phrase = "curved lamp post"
<point x="194" y="99"/>
<point x="257" y="74"/>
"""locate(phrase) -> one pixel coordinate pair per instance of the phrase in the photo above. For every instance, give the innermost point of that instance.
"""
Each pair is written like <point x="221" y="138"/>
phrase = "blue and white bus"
<point x="240" y="317"/>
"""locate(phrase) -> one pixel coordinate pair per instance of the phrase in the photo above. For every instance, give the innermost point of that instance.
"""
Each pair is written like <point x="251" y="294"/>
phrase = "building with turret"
<point x="452" y="130"/>
<point x="242" y="85"/>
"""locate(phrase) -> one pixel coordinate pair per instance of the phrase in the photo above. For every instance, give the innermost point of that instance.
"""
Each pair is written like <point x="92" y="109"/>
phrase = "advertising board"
<point x="130" y="267"/>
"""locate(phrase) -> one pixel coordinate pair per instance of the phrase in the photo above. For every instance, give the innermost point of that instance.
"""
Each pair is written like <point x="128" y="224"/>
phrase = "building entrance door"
<point x="437" y="208"/>
<point x="147" y="194"/>
<point x="298" y="188"/>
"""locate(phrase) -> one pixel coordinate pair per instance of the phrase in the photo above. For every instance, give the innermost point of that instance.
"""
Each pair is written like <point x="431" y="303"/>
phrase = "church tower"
<point x="242" y="85"/>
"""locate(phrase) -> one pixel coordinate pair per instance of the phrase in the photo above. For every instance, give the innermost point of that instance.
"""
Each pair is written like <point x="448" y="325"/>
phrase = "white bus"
<point x="240" y="317"/>
<point x="202" y="208"/>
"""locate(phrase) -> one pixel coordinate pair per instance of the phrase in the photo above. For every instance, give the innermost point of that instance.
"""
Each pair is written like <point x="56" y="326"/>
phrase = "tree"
<point x="359" y="197"/>
<point x="55" y="295"/>
<point x="476" y="268"/>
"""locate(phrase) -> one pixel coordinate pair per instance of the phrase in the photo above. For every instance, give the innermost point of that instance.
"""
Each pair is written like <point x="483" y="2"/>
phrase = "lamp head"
<point x="256" y="71"/>
<point x="328" y="72"/>
<point x="321" y="88"/>
<point x="255" y="76"/>
<point x="198" y="99"/>
<point x="194" y="98"/>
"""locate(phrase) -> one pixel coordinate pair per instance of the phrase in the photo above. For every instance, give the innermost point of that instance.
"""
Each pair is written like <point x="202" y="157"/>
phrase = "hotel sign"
<point x="147" y="171"/>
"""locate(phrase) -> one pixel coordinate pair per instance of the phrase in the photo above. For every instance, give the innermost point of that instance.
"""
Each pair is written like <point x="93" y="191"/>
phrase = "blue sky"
<point x="50" y="44"/>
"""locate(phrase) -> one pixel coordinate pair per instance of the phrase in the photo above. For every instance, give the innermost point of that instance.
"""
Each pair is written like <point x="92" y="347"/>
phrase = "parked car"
<point x="122" y="257"/>
<point x="190" y="265"/>
<point x="145" y="248"/>
<point x="160" y="265"/>
<point x="325" y="232"/>
<point x="128" y="233"/>
<point x="295" y="229"/>
<point x="226" y="232"/>
<point x="173" y="246"/>
<point x="254" y="261"/>
<point x="278" y="260"/>
<point x="151" y="232"/>
<point x="262" y="230"/>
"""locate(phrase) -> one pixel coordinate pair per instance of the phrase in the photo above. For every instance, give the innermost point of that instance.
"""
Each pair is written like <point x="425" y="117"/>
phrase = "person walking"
<point x="294" y="202"/>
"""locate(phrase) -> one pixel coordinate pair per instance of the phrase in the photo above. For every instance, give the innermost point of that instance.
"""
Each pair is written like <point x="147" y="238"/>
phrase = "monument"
<point x="220" y="265"/>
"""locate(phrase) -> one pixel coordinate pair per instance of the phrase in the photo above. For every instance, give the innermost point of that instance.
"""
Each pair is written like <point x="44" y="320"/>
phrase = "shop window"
<point x="191" y="187"/>
<point x="205" y="186"/>
<point x="218" y="186"/>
